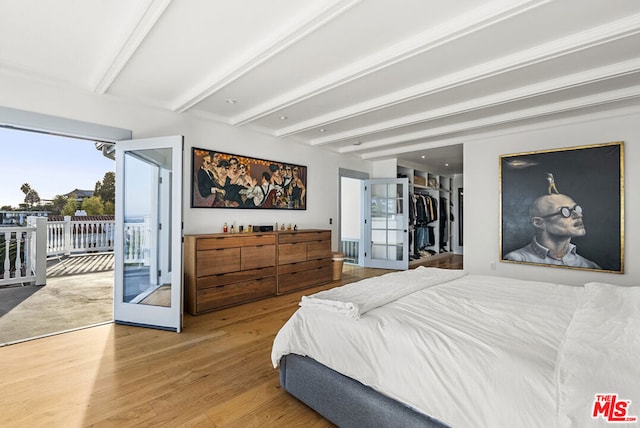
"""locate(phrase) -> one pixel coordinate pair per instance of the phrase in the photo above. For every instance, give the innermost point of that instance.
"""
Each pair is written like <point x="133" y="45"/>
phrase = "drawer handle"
<point x="219" y="286"/>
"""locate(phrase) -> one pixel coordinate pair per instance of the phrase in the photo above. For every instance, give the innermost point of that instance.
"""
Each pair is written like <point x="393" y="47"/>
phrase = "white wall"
<point x="481" y="193"/>
<point x="322" y="165"/>
<point x="387" y="168"/>
<point x="351" y="215"/>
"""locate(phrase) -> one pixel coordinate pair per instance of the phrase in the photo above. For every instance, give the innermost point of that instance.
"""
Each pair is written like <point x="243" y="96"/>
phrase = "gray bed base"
<point x="345" y="401"/>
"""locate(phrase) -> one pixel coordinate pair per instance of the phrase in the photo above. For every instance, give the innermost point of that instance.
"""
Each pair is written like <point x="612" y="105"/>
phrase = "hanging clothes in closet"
<point x="426" y="210"/>
<point x="444" y="224"/>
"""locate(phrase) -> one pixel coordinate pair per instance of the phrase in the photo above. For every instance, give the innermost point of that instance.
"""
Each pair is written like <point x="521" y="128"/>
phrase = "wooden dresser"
<point x="223" y="270"/>
<point x="304" y="259"/>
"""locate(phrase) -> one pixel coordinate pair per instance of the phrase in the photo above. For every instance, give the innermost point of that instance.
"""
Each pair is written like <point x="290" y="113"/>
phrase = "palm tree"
<point x="31" y="197"/>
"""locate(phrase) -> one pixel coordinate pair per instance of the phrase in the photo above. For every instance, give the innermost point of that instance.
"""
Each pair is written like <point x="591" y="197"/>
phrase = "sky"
<point x="51" y="165"/>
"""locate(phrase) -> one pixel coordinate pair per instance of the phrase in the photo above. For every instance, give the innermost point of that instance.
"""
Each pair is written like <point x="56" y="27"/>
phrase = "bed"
<point x="436" y="347"/>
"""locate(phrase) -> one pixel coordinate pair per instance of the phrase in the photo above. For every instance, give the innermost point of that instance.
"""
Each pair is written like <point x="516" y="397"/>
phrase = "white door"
<point x="386" y="223"/>
<point x="148" y="239"/>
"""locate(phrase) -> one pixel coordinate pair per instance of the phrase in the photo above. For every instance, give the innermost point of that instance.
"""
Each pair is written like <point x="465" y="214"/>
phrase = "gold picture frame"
<point x="564" y="207"/>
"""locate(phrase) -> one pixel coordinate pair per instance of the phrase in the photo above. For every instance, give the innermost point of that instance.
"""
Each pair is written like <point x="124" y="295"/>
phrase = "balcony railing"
<point x="19" y="248"/>
<point x="24" y="250"/>
<point x="350" y="249"/>
<point x="79" y="236"/>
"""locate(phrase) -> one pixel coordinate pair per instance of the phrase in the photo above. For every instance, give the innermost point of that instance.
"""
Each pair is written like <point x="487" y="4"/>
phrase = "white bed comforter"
<point x="601" y="356"/>
<point x="474" y="351"/>
<point x="358" y="298"/>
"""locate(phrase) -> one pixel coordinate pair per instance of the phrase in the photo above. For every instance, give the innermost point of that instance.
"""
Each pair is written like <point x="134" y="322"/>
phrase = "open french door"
<point x="386" y="224"/>
<point x="148" y="238"/>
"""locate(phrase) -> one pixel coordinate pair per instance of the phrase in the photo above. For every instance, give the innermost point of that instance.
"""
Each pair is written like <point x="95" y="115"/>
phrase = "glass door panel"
<point x="148" y="268"/>
<point x="386" y="223"/>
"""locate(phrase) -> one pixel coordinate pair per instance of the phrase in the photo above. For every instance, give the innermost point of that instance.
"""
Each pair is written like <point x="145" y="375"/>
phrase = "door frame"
<point x="166" y="318"/>
<point x="356" y="175"/>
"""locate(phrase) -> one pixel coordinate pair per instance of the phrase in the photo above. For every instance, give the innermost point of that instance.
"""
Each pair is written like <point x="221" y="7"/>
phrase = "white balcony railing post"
<point x="67" y="235"/>
<point x="40" y="243"/>
<point x="7" y="260"/>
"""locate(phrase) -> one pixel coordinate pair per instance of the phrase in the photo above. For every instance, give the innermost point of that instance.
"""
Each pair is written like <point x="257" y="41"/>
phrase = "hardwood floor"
<point x="442" y="260"/>
<point x="216" y="373"/>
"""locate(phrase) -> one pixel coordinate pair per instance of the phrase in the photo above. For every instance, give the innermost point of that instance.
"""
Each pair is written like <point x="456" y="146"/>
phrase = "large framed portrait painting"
<point x="564" y="207"/>
<point x="225" y="180"/>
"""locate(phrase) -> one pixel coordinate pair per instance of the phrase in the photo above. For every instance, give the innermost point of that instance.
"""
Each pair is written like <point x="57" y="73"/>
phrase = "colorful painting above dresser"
<point x="225" y="180"/>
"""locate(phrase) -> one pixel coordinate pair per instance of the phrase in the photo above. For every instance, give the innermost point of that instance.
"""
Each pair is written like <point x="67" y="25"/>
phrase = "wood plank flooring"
<point x="216" y="373"/>
<point x="442" y="260"/>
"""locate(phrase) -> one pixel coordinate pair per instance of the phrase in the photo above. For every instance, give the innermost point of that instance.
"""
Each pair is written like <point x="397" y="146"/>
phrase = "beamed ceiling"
<point x="369" y="78"/>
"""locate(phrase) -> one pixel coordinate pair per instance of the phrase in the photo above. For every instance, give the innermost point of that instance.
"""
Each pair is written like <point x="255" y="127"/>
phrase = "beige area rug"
<point x="64" y="303"/>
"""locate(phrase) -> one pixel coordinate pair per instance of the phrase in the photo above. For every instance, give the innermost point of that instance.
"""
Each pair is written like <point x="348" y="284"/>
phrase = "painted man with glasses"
<point x="556" y="219"/>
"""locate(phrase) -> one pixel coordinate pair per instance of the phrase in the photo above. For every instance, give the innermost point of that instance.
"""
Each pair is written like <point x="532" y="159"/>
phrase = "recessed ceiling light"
<point x="283" y="117"/>
<point x="230" y="101"/>
<point x="423" y="156"/>
<point x="446" y="164"/>
<point x="322" y="130"/>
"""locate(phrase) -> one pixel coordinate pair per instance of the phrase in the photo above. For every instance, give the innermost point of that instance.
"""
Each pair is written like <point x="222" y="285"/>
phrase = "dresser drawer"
<point x="222" y="241"/>
<point x="292" y="253"/>
<point x="221" y="260"/>
<point x="235" y="240"/>
<point x="314" y="235"/>
<point x="230" y="278"/>
<point x="233" y="294"/>
<point x="320" y="249"/>
<point x="301" y="266"/>
<point x="298" y="280"/>
<point x="257" y="256"/>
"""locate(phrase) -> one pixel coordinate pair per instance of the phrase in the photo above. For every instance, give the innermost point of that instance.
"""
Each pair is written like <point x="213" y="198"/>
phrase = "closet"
<point x="432" y="220"/>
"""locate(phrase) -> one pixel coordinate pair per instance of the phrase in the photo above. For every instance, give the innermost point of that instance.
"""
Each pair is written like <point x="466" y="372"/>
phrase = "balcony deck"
<point x="78" y="293"/>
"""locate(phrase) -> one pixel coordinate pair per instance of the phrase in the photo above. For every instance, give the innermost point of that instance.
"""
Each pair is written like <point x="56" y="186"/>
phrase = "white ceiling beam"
<point x="473" y="21"/>
<point x="264" y="52"/>
<point x="493" y="100"/>
<point x="137" y="34"/>
<point x="451" y="140"/>
<point x="588" y="39"/>
<point x="493" y="121"/>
